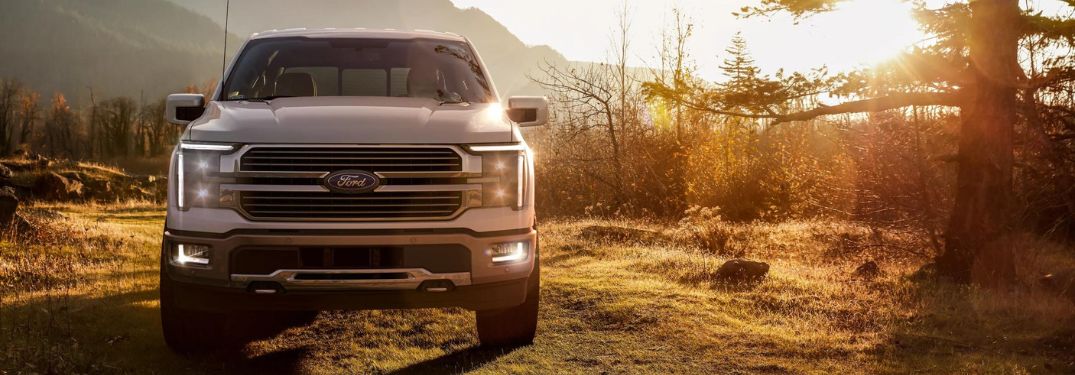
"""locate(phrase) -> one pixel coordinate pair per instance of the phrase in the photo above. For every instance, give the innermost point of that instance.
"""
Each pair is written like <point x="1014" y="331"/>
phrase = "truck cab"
<point x="343" y="169"/>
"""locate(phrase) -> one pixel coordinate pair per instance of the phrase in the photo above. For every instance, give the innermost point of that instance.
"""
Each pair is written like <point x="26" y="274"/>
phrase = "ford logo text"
<point x="352" y="182"/>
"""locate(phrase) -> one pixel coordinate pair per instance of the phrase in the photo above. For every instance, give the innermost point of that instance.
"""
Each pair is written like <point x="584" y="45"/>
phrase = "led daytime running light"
<point x="495" y="148"/>
<point x="206" y="147"/>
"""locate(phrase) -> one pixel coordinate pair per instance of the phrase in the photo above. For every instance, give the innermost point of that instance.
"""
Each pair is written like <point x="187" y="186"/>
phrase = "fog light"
<point x="191" y="255"/>
<point x="509" y="252"/>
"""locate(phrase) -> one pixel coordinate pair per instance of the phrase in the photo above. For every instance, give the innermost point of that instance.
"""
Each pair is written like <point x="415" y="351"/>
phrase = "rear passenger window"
<point x="365" y="82"/>
<point x="399" y="81"/>
<point x="325" y="78"/>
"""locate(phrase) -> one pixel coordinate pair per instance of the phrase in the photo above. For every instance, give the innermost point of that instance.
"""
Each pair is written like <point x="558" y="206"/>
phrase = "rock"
<point x="5" y="175"/>
<point x="98" y="188"/>
<point x="156" y="187"/>
<point x="1061" y="282"/>
<point x="9" y="204"/>
<point x="17" y="166"/>
<point x="138" y="192"/>
<point x="52" y="186"/>
<point x="868" y="271"/>
<point x="74" y="176"/>
<point x="741" y="271"/>
<point x="40" y="161"/>
<point x="22" y="226"/>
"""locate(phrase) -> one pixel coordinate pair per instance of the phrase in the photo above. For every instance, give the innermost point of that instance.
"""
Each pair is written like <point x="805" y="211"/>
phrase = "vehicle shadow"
<point x="122" y="332"/>
<point x="465" y="360"/>
<point x="286" y="361"/>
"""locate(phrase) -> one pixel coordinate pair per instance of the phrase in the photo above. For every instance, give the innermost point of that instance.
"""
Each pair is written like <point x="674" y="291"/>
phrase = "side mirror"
<point x="528" y="110"/>
<point x="181" y="109"/>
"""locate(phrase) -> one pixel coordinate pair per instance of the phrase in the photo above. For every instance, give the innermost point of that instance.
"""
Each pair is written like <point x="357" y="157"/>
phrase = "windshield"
<point x="419" y="68"/>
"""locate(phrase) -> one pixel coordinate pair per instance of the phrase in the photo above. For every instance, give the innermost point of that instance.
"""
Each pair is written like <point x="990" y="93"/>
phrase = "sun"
<point x="876" y="30"/>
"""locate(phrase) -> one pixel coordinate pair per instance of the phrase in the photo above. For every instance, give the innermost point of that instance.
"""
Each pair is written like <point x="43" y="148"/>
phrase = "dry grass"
<point x="81" y="297"/>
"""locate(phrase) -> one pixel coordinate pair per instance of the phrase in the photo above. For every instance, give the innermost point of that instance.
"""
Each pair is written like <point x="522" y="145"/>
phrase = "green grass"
<point x="81" y="296"/>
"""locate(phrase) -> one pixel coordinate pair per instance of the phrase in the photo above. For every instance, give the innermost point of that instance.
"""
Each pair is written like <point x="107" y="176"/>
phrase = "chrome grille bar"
<point x="283" y="182"/>
<point x="293" y="279"/>
<point x="328" y="159"/>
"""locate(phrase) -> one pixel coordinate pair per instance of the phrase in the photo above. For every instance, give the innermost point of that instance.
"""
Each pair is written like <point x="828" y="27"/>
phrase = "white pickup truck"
<point x="343" y="169"/>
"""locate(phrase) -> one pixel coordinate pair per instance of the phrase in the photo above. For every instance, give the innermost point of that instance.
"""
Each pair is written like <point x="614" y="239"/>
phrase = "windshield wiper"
<point x="443" y="102"/>
<point x="261" y="98"/>
<point x="452" y="98"/>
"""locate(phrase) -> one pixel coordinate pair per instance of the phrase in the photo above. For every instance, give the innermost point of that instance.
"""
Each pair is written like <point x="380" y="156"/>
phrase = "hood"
<point x="364" y="120"/>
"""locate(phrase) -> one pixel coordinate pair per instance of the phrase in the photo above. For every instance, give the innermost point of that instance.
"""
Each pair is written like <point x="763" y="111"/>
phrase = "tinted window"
<point x="421" y="68"/>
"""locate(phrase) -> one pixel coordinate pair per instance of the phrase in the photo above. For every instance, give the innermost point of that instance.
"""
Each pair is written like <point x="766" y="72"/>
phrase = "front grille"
<point x="327" y="206"/>
<point x="285" y="183"/>
<point x="371" y="159"/>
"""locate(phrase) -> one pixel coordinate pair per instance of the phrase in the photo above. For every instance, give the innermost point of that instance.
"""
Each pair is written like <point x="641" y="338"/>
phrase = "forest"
<point x="108" y="129"/>
<point x="960" y="141"/>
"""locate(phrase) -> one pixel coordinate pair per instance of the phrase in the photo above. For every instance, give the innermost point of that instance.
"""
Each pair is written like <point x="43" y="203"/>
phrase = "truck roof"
<point x="357" y="33"/>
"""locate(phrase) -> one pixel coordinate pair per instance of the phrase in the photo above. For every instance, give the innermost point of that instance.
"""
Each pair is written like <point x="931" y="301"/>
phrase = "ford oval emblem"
<point x="352" y="182"/>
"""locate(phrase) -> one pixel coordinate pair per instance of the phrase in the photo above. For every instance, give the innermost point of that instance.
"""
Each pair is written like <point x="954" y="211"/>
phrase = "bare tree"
<point x="597" y="96"/>
<point x="61" y="126"/>
<point x="114" y="119"/>
<point x="10" y="91"/>
<point x="27" y="117"/>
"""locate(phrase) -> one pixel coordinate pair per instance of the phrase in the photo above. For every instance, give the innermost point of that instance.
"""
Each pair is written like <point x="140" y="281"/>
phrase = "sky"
<point x="860" y="33"/>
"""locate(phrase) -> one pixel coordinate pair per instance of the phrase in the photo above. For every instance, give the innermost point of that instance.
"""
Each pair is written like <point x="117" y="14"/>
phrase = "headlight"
<point x="187" y="255"/>
<point x="509" y="252"/>
<point x="505" y="170"/>
<point x="198" y="174"/>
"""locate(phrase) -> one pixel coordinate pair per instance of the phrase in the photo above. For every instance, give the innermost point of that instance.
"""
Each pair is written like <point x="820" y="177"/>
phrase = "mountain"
<point x="509" y="59"/>
<point x="114" y="47"/>
<point x="149" y="48"/>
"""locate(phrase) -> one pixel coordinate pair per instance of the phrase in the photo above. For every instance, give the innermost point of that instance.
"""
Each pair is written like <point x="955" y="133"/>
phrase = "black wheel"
<point x="515" y="326"/>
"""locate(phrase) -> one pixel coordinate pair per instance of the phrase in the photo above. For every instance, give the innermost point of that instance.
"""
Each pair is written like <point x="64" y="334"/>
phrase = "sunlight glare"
<point x="495" y="112"/>
<point x="878" y="30"/>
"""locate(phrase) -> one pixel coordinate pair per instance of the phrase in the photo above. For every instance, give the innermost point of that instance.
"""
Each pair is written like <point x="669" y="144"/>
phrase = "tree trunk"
<point x="978" y="246"/>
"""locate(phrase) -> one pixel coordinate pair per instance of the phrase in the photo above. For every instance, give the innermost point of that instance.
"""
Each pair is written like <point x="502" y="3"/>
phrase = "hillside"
<point x="115" y="47"/>
<point x="151" y="48"/>
<point x="508" y="58"/>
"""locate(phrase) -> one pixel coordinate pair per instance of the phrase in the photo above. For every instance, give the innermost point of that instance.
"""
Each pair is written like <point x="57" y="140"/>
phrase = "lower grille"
<point x="396" y="205"/>
<point x="433" y="258"/>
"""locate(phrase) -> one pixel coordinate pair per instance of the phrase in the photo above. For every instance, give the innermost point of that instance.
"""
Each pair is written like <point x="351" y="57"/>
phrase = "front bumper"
<point x="491" y="296"/>
<point x="480" y="285"/>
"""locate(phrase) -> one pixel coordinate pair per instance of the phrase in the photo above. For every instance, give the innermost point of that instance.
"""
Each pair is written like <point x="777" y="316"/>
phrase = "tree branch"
<point x="1052" y="77"/>
<point x="875" y="105"/>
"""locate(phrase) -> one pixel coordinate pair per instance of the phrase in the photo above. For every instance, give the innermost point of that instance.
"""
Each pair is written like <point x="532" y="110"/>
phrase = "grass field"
<point x="80" y="295"/>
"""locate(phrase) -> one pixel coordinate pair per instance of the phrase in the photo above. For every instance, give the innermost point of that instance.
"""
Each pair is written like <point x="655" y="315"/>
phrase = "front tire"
<point x="514" y="326"/>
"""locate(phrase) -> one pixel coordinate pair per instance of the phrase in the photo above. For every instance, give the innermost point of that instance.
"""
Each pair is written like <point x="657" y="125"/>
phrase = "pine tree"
<point x="739" y="67"/>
